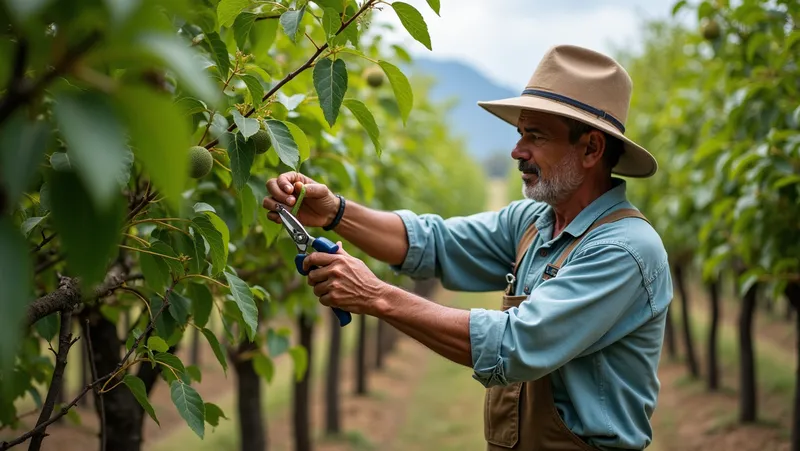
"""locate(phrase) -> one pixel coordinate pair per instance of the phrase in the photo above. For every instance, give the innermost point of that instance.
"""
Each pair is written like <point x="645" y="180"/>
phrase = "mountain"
<point x="462" y="84"/>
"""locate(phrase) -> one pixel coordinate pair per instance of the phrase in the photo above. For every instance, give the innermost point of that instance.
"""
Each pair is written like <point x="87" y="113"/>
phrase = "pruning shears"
<point x="303" y="240"/>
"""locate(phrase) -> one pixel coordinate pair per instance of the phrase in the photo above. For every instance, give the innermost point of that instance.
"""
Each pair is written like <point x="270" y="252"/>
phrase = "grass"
<point x="446" y="411"/>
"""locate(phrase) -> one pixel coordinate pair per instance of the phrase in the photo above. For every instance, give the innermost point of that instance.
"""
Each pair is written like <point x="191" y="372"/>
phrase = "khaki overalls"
<point x="522" y="415"/>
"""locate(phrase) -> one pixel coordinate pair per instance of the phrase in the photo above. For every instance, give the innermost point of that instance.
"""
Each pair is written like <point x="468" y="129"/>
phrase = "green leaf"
<point x="331" y="22"/>
<point x="401" y="87"/>
<point x="29" y="224"/>
<point x="95" y="141"/>
<point x="301" y="140"/>
<point x="194" y="373"/>
<point x="213" y="414"/>
<point x="300" y="358"/>
<point x="413" y="22"/>
<point x="220" y="53"/>
<point x="200" y="207"/>
<point x="173" y="367"/>
<point x="190" y="406"/>
<point x="262" y="37"/>
<point x="60" y="162"/>
<point x="678" y="6"/>
<point x="290" y="22"/>
<point x="222" y="228"/>
<point x="179" y="308"/>
<point x="22" y="10"/>
<point x="241" y="28"/>
<point x="434" y="4"/>
<point x="48" y="326"/>
<point x="157" y="344"/>
<point x="22" y="147"/>
<point x="786" y="181"/>
<point x="330" y="82"/>
<point x="227" y="10"/>
<point x="177" y="55"/>
<point x="255" y="88"/>
<point x="247" y="205"/>
<point x="202" y="303"/>
<point x="215" y="346"/>
<point x="155" y="271"/>
<point x="203" y="226"/>
<point x="89" y="236"/>
<point x="163" y="248"/>
<point x="264" y="367"/>
<point x="242" y="153"/>
<point x="277" y="342"/>
<point x="248" y="126"/>
<point x="283" y="142"/>
<point x="160" y="138"/>
<point x="336" y="5"/>
<point x="165" y="323"/>
<point x="365" y="118"/>
<point x="244" y="300"/>
<point x="139" y="391"/>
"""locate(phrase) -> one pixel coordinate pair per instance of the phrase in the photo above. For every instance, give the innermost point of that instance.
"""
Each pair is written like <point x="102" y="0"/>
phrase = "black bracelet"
<point x="338" y="216"/>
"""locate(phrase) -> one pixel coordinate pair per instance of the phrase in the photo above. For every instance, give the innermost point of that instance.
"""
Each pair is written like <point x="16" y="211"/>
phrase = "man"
<point x="570" y="361"/>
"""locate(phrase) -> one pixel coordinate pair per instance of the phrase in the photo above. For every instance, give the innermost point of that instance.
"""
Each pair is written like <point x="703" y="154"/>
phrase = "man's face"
<point x="551" y="166"/>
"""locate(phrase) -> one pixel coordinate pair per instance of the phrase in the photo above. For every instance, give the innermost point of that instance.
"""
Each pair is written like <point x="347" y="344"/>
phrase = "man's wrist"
<point x="336" y="217"/>
<point x="386" y="302"/>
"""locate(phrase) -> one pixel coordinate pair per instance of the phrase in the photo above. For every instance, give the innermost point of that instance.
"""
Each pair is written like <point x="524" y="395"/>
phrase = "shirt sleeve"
<point x="468" y="253"/>
<point x="563" y="318"/>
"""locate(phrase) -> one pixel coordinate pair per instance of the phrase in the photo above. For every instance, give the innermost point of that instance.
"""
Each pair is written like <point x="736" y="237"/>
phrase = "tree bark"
<point x="361" y="357"/>
<point x="332" y="403"/>
<point x="302" y="420"/>
<point x="711" y="355"/>
<point x="691" y="359"/>
<point x="793" y="294"/>
<point x="747" y="370"/>
<point x="380" y="334"/>
<point x="252" y="425"/>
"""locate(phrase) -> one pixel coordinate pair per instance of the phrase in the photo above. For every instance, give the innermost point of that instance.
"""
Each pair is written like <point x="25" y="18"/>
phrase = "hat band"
<point x="577" y="104"/>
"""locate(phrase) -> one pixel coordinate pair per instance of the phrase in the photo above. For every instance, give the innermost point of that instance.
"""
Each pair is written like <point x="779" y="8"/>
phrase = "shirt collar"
<point x="598" y="207"/>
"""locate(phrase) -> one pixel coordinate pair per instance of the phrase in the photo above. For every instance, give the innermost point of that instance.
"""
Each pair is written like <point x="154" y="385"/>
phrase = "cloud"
<point x="505" y="40"/>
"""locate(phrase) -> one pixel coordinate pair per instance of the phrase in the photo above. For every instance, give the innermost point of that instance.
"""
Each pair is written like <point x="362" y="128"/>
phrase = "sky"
<point x="505" y="39"/>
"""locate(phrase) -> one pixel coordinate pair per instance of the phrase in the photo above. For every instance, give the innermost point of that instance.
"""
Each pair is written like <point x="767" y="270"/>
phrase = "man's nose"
<point x="519" y="152"/>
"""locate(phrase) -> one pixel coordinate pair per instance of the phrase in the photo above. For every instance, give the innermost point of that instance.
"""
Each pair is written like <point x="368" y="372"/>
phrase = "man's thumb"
<point x="316" y="190"/>
<point x="341" y="249"/>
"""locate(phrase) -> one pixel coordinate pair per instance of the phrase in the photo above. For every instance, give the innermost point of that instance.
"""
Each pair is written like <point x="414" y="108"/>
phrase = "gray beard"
<point x="565" y="178"/>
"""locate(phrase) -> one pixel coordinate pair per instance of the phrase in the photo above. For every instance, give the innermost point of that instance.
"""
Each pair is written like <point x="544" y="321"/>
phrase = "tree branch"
<point x="299" y="70"/>
<point x="98" y="395"/>
<point x="65" y="342"/>
<point x="68" y="294"/>
<point x="6" y="445"/>
<point x="22" y="92"/>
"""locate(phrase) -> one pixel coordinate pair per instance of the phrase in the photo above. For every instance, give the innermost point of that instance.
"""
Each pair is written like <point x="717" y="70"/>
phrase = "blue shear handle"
<point x="323" y="244"/>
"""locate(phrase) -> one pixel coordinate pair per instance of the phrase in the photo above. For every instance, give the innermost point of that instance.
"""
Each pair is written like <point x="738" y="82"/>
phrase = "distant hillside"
<point x="485" y="134"/>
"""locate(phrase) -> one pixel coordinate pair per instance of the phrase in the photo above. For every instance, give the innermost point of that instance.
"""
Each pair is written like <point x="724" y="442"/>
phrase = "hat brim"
<point x="635" y="162"/>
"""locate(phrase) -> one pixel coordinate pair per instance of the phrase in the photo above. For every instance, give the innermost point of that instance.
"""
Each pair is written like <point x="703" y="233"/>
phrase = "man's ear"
<point x="595" y="148"/>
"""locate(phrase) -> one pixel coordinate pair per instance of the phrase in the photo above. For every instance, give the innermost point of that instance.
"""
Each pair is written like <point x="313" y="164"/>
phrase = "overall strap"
<point x="552" y="269"/>
<point x="524" y="244"/>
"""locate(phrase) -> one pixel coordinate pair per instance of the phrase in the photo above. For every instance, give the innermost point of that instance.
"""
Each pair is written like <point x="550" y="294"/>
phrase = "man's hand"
<point x="319" y="205"/>
<point x="344" y="281"/>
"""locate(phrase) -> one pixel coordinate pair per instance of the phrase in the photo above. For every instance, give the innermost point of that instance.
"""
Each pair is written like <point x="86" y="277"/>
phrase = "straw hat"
<point x="587" y="86"/>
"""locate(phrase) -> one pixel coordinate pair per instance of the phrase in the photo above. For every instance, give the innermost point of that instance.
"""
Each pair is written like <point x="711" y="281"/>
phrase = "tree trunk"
<point x="793" y="294"/>
<point x="123" y="414"/>
<point x="252" y="425"/>
<point x="361" y="357"/>
<point x="669" y="335"/>
<point x="711" y="355"/>
<point x="691" y="360"/>
<point x="332" y="422"/>
<point x="380" y="334"/>
<point x="747" y="370"/>
<point x="195" y="353"/>
<point x="302" y="420"/>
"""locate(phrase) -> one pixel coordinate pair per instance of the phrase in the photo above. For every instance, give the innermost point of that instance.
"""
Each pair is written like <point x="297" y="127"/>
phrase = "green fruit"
<point x="200" y="162"/>
<point x="262" y="141"/>
<point x="374" y="76"/>
<point x="711" y="30"/>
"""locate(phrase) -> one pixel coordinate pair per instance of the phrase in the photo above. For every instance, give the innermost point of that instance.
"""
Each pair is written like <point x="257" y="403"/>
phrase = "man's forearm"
<point x="381" y="234"/>
<point x="445" y="330"/>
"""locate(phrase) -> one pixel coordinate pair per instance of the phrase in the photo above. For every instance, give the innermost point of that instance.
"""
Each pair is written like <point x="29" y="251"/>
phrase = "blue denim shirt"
<point x="596" y="328"/>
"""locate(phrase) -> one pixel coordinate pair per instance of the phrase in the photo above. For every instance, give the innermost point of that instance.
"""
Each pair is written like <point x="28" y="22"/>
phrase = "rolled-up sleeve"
<point x="563" y="318"/>
<point x="468" y="253"/>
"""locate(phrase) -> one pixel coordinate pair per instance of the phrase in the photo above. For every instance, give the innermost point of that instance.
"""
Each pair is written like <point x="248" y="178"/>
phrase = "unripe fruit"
<point x="374" y="76"/>
<point x="200" y="162"/>
<point x="261" y="140"/>
<point x="711" y="30"/>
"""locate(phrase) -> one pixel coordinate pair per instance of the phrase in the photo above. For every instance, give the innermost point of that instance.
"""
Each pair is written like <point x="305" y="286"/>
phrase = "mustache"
<point x="528" y="167"/>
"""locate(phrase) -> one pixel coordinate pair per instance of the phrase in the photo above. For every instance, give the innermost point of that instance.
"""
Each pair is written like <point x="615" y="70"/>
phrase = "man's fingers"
<point x="322" y="288"/>
<point x="318" y="259"/>
<point x="318" y="275"/>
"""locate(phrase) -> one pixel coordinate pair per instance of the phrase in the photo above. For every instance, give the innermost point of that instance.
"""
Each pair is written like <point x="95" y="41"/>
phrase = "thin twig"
<point x="44" y="242"/>
<point x="47" y="264"/>
<point x="299" y="70"/>
<point x="269" y="16"/>
<point x="65" y="342"/>
<point x="99" y="396"/>
<point x="6" y="445"/>
<point x="147" y="199"/>
<point x="148" y="252"/>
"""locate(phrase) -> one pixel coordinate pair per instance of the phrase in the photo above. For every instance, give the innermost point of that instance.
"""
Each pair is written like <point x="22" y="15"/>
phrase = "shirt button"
<point x="527" y="289"/>
<point x="543" y="252"/>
